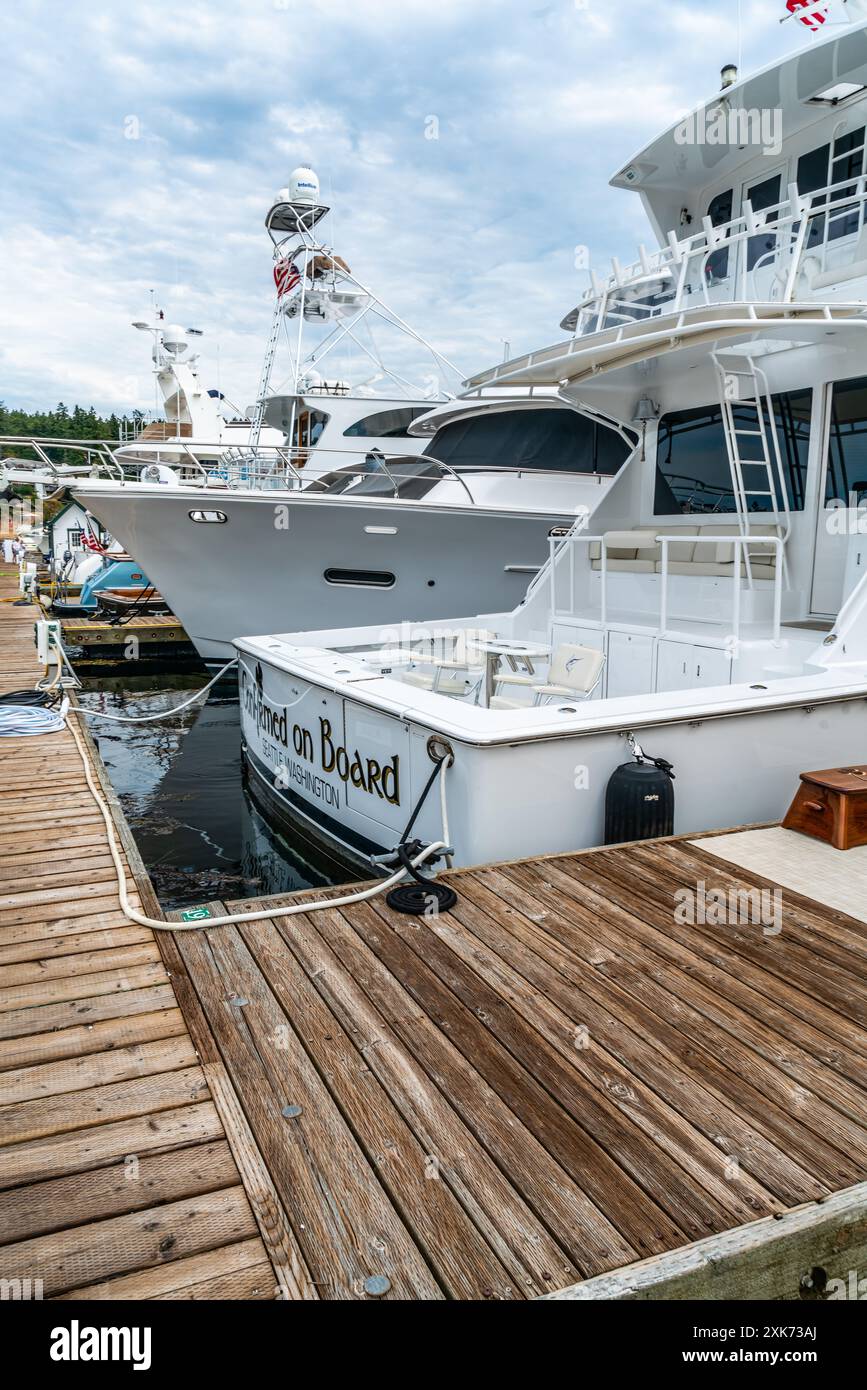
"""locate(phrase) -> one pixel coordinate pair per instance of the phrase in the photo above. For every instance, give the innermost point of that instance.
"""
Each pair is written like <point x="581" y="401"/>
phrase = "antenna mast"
<point x="316" y="286"/>
<point x="291" y="219"/>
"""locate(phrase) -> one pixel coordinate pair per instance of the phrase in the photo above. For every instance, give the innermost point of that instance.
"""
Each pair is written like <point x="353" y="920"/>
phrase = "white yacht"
<point x="710" y="610"/>
<point x="175" y="482"/>
<point x="196" y="425"/>
<point x="298" y="427"/>
<point x="377" y="507"/>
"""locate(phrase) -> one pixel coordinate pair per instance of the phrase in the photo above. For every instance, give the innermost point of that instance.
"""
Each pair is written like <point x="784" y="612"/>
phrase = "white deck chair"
<point x="574" y="674"/>
<point x="460" y="671"/>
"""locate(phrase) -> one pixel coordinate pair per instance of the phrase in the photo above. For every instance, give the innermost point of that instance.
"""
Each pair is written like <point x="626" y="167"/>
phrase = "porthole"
<point x="364" y="579"/>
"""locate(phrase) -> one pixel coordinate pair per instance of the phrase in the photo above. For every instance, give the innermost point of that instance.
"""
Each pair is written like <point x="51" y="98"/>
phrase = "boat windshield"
<point x="548" y="441"/>
<point x="409" y="477"/>
<point x="552" y="440"/>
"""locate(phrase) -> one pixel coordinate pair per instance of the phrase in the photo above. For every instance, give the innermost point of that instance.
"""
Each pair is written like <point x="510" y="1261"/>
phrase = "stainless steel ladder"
<point x="747" y="387"/>
<point x="265" y="379"/>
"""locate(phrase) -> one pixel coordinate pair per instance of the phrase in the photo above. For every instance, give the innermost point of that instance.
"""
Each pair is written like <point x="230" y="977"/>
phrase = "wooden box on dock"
<point x="831" y="806"/>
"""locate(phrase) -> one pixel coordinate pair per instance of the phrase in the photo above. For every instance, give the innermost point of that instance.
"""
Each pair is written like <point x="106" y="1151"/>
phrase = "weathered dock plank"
<point x="114" y="1164"/>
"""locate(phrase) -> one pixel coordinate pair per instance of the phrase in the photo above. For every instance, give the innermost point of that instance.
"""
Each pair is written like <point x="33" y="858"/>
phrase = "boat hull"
<point x="270" y="566"/>
<point x="316" y="750"/>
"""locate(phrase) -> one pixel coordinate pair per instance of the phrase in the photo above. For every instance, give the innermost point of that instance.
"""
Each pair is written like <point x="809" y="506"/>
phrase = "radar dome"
<point x="303" y="186"/>
<point x="175" y="338"/>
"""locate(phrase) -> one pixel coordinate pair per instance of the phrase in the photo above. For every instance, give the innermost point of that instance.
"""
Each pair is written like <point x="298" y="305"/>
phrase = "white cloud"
<point x="469" y="236"/>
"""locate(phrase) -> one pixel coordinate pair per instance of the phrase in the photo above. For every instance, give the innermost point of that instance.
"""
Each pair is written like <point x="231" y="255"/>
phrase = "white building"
<point x="66" y="529"/>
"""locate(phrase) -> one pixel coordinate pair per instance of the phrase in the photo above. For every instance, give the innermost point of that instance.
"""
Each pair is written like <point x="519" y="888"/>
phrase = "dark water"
<point x="180" y="783"/>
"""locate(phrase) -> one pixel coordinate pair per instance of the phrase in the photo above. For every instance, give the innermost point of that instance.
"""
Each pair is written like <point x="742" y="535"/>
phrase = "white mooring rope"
<point x="27" y="719"/>
<point x="234" y="917"/>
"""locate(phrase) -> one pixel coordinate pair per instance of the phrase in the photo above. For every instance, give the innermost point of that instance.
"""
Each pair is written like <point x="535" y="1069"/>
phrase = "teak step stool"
<point x="831" y="806"/>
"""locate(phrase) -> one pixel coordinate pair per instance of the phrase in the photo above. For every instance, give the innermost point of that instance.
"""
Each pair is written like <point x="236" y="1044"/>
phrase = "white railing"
<point x="269" y="467"/>
<point x="741" y="562"/>
<point x="129" y="430"/>
<point x="680" y="275"/>
<point x="90" y="457"/>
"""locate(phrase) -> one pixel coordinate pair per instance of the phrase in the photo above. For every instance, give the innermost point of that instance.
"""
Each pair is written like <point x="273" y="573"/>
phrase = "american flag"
<point x="90" y="542"/>
<point x="812" y="21"/>
<point x="286" y="276"/>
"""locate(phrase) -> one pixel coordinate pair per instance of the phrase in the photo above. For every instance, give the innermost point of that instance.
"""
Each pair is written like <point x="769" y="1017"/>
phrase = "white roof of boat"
<point x="700" y="326"/>
<point x="790" y="85"/>
<point x="511" y="399"/>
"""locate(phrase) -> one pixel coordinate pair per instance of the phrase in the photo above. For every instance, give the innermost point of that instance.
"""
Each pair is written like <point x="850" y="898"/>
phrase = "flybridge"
<point x="801" y="249"/>
<point x="825" y="75"/>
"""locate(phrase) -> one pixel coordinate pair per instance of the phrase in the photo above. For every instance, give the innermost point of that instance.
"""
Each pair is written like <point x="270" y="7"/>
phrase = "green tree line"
<point x="63" y="423"/>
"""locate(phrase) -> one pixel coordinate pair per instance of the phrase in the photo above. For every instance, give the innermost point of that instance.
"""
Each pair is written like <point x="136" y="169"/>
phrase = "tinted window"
<point x="847" y="446"/>
<point x="309" y="425"/>
<point x="823" y="166"/>
<point x="555" y="440"/>
<point x="376" y="476"/>
<point x="719" y="211"/>
<point x="762" y="195"/>
<point x="692" y="466"/>
<point x="847" y="163"/>
<point x="386" y="424"/>
<point x="813" y="174"/>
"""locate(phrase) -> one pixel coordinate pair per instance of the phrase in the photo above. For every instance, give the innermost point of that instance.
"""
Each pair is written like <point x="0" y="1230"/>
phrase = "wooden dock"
<point x="116" y="1177"/>
<point x="550" y="1082"/>
<point x="562" y="1087"/>
<point x="147" y="631"/>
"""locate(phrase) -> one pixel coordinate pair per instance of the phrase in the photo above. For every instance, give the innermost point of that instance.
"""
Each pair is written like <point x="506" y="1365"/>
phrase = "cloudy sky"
<point x="142" y="143"/>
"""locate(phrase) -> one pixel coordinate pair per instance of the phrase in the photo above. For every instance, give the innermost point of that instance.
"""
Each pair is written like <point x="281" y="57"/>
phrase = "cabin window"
<point x="847" y="163"/>
<point x="812" y="174"/>
<point x="556" y="440"/>
<point x="820" y="168"/>
<point x="761" y="196"/>
<point x="309" y="425"/>
<point x="692" y="466"/>
<point x="720" y="212"/>
<point x="365" y="579"/>
<point x="386" y="424"/>
<point x="847" y="444"/>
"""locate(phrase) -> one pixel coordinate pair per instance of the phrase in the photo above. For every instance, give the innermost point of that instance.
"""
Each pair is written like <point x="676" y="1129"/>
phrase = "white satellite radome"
<point x="303" y="186"/>
<point x="175" y="338"/>
<point x="159" y="473"/>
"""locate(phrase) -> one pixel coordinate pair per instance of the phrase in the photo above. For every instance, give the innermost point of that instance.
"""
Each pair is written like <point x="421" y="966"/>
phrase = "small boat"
<point x="129" y="602"/>
<point x="116" y="572"/>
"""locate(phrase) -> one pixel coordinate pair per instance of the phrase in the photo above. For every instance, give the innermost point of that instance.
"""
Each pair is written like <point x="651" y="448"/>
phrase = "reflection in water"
<point x="180" y="785"/>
